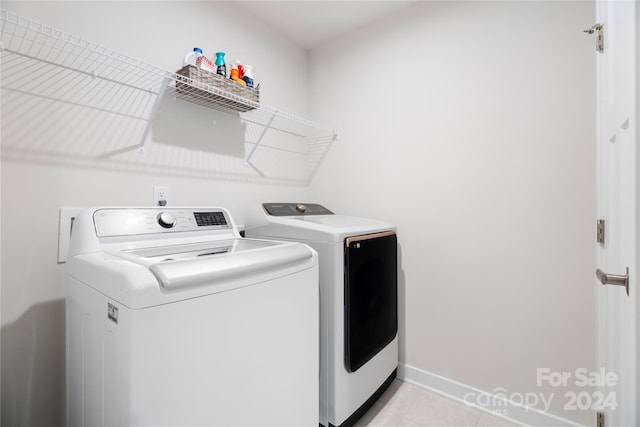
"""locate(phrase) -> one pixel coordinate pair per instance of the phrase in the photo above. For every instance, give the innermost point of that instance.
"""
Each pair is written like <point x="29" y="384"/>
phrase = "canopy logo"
<point x="500" y="400"/>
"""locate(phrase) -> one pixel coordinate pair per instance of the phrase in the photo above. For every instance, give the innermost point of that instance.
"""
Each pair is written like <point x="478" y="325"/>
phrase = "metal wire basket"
<point x="213" y="90"/>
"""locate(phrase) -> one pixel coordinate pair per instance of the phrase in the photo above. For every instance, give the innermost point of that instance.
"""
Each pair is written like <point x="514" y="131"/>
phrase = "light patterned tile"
<point x="384" y="417"/>
<point x="387" y="418"/>
<point x="407" y="405"/>
<point x="399" y="396"/>
<point x="409" y="423"/>
<point x="367" y="417"/>
<point x="389" y="409"/>
<point x="432" y="409"/>
<point x="488" y="420"/>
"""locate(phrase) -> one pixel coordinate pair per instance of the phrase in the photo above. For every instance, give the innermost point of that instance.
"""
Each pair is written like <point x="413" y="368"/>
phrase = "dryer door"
<point x="371" y="296"/>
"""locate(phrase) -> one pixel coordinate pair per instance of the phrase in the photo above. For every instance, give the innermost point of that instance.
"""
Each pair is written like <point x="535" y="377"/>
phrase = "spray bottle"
<point x="248" y="75"/>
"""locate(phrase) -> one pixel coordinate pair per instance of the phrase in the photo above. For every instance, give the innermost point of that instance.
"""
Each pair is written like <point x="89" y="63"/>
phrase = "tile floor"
<point x="407" y="405"/>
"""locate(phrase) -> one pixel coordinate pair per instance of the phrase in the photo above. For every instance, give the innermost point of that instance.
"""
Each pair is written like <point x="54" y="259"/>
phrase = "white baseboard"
<point x="503" y="408"/>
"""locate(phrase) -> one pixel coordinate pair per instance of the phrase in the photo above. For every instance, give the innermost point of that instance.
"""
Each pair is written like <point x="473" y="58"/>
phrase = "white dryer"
<point x="173" y="319"/>
<point x="358" y="301"/>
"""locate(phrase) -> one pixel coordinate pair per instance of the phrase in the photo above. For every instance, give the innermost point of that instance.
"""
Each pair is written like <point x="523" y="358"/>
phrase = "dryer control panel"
<point x="110" y="222"/>
<point x="295" y="209"/>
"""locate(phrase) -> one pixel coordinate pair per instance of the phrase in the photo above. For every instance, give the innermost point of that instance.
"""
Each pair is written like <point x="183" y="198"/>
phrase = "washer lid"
<point x="183" y="252"/>
<point x="209" y="263"/>
<point x="334" y="228"/>
<point x="307" y="227"/>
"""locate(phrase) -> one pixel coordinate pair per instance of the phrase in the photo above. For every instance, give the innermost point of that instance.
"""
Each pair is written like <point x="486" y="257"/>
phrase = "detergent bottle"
<point x="191" y="58"/>
<point x="198" y="60"/>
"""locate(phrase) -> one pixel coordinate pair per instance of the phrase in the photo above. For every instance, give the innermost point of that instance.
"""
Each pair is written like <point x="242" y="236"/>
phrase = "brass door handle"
<point x="614" y="279"/>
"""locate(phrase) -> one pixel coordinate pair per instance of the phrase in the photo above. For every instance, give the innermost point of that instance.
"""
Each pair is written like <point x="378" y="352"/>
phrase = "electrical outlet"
<point x="160" y="196"/>
<point x="65" y="225"/>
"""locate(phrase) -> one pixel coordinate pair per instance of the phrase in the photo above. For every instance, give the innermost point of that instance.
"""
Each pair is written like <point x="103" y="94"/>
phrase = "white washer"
<point x="358" y="301"/>
<point x="173" y="319"/>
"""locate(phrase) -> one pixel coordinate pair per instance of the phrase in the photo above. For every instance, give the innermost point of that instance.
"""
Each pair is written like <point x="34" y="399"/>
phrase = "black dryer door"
<point x="371" y="296"/>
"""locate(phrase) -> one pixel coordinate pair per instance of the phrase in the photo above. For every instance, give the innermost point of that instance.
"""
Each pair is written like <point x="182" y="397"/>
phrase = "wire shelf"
<point x="114" y="98"/>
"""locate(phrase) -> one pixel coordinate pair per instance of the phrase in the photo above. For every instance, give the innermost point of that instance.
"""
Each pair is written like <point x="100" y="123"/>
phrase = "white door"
<point x="617" y="205"/>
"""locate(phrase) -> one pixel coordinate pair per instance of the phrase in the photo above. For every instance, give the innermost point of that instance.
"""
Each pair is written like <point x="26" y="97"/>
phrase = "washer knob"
<point x="301" y="208"/>
<point x="167" y="220"/>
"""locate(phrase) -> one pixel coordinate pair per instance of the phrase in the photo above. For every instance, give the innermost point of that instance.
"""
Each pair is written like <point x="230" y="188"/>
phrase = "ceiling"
<point x="310" y="23"/>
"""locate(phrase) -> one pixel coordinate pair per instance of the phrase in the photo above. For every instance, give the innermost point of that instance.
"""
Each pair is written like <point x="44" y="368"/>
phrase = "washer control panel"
<point x="110" y="222"/>
<point x="295" y="209"/>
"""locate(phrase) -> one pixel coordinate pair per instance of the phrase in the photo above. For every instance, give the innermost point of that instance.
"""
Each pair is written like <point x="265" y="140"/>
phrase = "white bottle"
<point x="192" y="57"/>
<point x="248" y="75"/>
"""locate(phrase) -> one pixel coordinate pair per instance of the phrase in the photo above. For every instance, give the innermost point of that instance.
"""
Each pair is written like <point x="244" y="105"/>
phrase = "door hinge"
<point x="600" y="419"/>
<point x="599" y="30"/>
<point x="600" y="231"/>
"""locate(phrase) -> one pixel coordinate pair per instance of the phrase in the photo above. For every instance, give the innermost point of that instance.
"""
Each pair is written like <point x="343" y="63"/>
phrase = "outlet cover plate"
<point x="160" y="193"/>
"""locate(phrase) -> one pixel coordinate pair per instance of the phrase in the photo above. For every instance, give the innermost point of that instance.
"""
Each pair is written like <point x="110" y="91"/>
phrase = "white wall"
<point x="35" y="185"/>
<point x="471" y="126"/>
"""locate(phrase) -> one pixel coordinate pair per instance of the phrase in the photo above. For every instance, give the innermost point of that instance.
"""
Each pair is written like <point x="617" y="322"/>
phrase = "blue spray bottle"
<point x="222" y="67"/>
